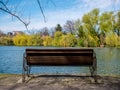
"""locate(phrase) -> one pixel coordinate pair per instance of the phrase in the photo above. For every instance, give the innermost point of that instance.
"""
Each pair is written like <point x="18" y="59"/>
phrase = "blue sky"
<point x="56" y="11"/>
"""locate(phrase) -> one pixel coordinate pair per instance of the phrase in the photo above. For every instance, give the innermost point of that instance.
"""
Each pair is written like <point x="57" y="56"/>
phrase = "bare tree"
<point x="1" y="33"/>
<point x="45" y="31"/>
<point x="69" y="26"/>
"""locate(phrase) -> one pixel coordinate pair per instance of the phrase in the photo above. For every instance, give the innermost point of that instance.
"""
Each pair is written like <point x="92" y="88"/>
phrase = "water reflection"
<point x="108" y="60"/>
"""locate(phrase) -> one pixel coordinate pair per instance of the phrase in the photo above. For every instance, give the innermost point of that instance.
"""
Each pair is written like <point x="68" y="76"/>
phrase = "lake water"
<point x="11" y="57"/>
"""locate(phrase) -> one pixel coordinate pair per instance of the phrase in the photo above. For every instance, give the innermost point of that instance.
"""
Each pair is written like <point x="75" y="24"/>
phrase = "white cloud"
<point x="117" y="1"/>
<point x="91" y="4"/>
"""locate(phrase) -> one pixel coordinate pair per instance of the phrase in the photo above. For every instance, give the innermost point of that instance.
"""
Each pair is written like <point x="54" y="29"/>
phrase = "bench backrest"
<point x="59" y="57"/>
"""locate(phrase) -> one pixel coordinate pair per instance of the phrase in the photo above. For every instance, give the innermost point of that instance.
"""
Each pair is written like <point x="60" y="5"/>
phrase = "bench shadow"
<point x="86" y="78"/>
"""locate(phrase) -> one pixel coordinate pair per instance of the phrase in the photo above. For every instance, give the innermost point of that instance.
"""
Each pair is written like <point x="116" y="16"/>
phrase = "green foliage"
<point x="92" y="40"/>
<point x="117" y="23"/>
<point x="88" y="41"/>
<point x="90" y="22"/>
<point x="79" y="29"/>
<point x="80" y="42"/>
<point x="106" y="22"/>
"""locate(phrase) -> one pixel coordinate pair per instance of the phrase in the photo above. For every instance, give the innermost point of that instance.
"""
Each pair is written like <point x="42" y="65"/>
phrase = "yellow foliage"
<point x="47" y="41"/>
<point x="112" y="39"/>
<point x="68" y="40"/>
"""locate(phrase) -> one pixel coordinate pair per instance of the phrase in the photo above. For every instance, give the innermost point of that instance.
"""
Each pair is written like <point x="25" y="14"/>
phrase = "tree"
<point x="37" y="40"/>
<point x="112" y="39"/>
<point x="44" y="31"/>
<point x="106" y="25"/>
<point x="27" y="40"/>
<point x="20" y="40"/>
<point x="117" y="23"/>
<point x="57" y="38"/>
<point x="1" y="33"/>
<point x="106" y="22"/>
<point x="69" y="26"/>
<point x="34" y="40"/>
<point x="30" y="40"/>
<point x="90" y="22"/>
<point x="58" y="28"/>
<point x="68" y="40"/>
<point x="79" y="29"/>
<point x="5" y="40"/>
<point x="91" y="28"/>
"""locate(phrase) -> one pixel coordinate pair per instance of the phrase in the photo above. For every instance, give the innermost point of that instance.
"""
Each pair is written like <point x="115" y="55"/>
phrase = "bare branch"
<point x="41" y="9"/>
<point x="53" y="3"/>
<point x="4" y="5"/>
<point x="5" y="9"/>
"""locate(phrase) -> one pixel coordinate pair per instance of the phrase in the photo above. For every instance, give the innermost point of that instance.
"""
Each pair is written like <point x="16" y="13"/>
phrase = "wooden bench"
<point x="59" y="57"/>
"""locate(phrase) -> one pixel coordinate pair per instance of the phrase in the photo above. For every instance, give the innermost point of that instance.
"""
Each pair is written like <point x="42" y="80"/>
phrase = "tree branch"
<point x="41" y="10"/>
<point x="5" y="9"/>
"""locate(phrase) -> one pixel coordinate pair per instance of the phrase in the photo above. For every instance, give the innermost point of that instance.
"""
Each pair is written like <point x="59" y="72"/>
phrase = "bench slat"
<point x="60" y="60"/>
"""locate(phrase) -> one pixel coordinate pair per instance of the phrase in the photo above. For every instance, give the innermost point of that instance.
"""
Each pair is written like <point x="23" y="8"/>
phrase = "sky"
<point x="55" y="11"/>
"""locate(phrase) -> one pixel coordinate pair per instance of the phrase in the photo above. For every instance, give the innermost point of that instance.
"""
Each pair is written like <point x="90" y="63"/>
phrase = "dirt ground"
<point x="59" y="82"/>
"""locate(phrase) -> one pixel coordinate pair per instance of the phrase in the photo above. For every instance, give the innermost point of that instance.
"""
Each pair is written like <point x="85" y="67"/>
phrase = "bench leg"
<point x="23" y="75"/>
<point x="93" y="71"/>
<point x="24" y="70"/>
<point x="95" y="68"/>
<point x="28" y="71"/>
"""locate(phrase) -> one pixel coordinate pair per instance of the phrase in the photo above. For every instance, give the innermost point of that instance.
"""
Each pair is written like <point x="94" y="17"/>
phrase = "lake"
<point x="11" y="57"/>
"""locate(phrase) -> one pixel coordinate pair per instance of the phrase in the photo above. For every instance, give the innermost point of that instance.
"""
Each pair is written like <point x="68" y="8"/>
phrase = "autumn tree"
<point x="106" y="25"/>
<point x="90" y="22"/>
<point x="90" y="27"/>
<point x="112" y="39"/>
<point x="68" y="40"/>
<point x="47" y="41"/>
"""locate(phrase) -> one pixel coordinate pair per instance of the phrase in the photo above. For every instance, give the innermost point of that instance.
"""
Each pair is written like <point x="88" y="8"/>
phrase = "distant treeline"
<point x="93" y="30"/>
